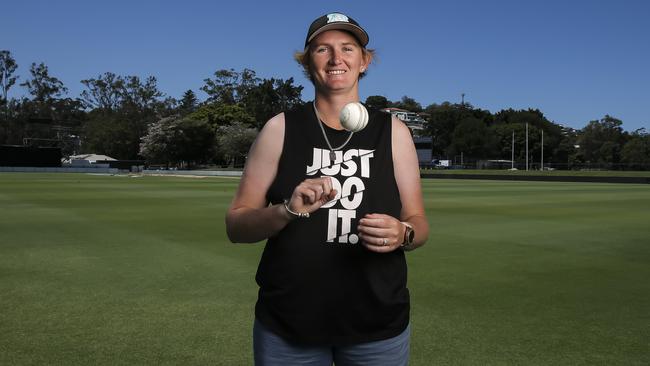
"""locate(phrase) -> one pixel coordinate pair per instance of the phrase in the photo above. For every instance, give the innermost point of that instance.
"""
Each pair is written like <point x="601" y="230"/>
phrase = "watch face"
<point x="410" y="235"/>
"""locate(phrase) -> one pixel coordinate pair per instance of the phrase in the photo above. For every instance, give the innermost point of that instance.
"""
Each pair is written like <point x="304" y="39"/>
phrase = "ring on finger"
<point x="384" y="242"/>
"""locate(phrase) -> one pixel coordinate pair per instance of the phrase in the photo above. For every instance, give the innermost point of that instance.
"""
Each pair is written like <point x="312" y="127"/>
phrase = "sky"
<point x="574" y="60"/>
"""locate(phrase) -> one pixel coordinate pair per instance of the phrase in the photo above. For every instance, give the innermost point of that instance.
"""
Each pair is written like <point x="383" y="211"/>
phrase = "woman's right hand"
<point x="311" y="194"/>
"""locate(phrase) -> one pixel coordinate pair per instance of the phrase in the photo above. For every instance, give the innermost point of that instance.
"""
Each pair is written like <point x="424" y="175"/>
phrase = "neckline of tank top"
<point x="320" y="123"/>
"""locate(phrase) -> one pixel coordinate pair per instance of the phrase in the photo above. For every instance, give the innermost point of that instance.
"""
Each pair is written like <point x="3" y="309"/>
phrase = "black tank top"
<point x="318" y="284"/>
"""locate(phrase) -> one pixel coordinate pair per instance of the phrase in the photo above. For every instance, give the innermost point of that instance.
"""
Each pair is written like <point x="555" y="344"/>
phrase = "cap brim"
<point x="357" y="31"/>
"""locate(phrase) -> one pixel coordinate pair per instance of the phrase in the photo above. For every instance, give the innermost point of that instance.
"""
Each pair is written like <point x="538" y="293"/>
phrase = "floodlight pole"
<point x="526" y="146"/>
<point x="542" y="150"/>
<point x="512" y="159"/>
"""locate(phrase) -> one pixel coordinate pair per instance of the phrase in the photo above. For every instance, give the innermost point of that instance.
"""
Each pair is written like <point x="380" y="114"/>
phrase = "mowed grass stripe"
<point x="122" y="270"/>
<point x="101" y="275"/>
<point x="533" y="273"/>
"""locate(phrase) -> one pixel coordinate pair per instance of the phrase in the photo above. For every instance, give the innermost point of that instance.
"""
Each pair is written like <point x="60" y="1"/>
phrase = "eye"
<point x="321" y="49"/>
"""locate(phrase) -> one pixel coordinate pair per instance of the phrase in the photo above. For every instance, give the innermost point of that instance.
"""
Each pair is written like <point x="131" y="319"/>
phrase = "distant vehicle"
<point x="441" y="164"/>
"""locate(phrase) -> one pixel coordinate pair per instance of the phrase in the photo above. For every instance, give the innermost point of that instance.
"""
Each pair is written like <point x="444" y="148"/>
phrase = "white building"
<point x="413" y="120"/>
<point x="86" y="159"/>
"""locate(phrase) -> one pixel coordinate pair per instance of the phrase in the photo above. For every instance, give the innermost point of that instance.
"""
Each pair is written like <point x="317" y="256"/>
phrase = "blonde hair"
<point x="303" y="58"/>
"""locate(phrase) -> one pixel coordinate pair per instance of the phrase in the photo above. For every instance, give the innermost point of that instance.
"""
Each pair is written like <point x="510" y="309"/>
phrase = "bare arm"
<point x="250" y="218"/>
<point x="374" y="228"/>
<point x="407" y="175"/>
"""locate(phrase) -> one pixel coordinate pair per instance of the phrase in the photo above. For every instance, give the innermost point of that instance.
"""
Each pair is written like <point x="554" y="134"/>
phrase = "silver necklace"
<point x="332" y="149"/>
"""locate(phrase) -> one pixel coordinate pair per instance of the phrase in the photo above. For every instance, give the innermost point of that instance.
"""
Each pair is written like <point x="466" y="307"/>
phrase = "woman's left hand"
<point x="381" y="233"/>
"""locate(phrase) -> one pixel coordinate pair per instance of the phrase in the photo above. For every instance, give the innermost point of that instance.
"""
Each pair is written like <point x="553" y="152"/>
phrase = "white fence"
<point x="100" y="170"/>
<point x="202" y="173"/>
<point x="106" y="170"/>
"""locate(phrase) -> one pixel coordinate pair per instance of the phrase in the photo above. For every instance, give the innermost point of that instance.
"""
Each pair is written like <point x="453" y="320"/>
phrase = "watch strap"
<point x="409" y="236"/>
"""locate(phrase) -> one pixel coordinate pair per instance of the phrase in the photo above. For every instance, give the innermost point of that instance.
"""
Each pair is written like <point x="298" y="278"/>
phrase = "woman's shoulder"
<point x="401" y="135"/>
<point x="275" y="122"/>
<point x="272" y="132"/>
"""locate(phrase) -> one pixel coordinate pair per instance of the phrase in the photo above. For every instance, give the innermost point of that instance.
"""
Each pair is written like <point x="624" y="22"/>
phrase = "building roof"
<point x="90" y="157"/>
<point x="393" y="109"/>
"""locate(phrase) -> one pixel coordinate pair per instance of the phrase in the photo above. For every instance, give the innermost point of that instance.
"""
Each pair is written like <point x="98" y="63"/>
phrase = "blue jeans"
<point x="272" y="350"/>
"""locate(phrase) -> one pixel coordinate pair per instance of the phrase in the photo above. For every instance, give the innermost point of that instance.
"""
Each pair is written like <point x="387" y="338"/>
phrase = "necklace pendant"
<point x="332" y="156"/>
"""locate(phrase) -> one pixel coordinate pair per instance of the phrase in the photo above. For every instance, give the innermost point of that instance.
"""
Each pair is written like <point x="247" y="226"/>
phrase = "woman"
<point x="339" y="209"/>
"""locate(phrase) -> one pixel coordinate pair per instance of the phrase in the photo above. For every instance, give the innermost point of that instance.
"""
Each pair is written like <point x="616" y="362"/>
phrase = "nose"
<point x="335" y="57"/>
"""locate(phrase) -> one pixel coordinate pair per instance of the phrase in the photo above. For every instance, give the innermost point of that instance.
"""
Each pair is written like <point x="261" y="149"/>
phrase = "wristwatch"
<point x="409" y="236"/>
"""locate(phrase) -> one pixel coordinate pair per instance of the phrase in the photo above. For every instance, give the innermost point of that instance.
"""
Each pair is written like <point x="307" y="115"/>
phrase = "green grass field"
<point x="119" y="270"/>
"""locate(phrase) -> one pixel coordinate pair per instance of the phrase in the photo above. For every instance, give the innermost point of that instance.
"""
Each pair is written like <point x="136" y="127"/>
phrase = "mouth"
<point x="335" y="72"/>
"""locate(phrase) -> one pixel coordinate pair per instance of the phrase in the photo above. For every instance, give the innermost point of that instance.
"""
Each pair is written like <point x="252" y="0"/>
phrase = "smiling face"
<point x="336" y="61"/>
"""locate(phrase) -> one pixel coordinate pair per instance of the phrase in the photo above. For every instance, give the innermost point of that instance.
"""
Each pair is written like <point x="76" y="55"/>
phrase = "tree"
<point x="472" y="138"/>
<point x="188" y="103"/>
<point x="7" y="80"/>
<point x="112" y="93"/>
<point x="109" y="134"/>
<point x="228" y="86"/>
<point x="261" y="102"/>
<point x="246" y="82"/>
<point x="377" y="102"/>
<point x="270" y="97"/>
<point x="409" y="104"/>
<point x="156" y="144"/>
<point x="47" y="118"/>
<point x="37" y="114"/>
<point x="43" y="87"/>
<point x="442" y="121"/>
<point x="566" y="152"/>
<point x="178" y="141"/>
<point x="195" y="142"/>
<point x="123" y="108"/>
<point x="636" y="151"/>
<point x="601" y="141"/>
<point x="166" y="107"/>
<point x="558" y="144"/>
<point x="105" y="93"/>
<point x="288" y="95"/>
<point x="261" y="98"/>
<point x="234" y="141"/>
<point x="503" y="133"/>
<point x="530" y="116"/>
<point x="223" y="114"/>
<point x="141" y="95"/>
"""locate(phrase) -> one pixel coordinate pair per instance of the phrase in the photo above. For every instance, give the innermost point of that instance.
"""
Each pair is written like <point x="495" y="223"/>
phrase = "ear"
<point x="367" y="59"/>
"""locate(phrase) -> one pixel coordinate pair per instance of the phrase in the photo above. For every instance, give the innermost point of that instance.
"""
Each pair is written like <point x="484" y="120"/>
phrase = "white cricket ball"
<point x="354" y="117"/>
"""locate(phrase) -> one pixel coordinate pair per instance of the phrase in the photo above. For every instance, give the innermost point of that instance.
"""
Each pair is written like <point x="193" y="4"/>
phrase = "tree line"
<point x="130" y="118"/>
<point x="477" y="134"/>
